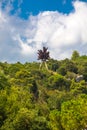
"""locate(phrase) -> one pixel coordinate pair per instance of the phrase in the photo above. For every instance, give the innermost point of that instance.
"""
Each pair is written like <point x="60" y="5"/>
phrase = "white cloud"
<point x="61" y="33"/>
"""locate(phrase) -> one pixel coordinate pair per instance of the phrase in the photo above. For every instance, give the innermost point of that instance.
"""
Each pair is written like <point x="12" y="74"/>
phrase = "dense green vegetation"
<point x="37" y="99"/>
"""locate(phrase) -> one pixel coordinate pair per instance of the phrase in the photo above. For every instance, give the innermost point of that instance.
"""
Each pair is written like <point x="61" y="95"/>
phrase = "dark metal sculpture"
<point x="43" y="55"/>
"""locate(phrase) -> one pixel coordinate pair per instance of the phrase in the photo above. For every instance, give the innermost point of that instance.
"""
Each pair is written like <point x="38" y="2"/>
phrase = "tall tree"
<point x="75" y="55"/>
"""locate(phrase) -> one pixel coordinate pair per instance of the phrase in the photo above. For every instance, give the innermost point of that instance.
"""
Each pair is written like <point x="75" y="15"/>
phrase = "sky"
<point x="28" y="25"/>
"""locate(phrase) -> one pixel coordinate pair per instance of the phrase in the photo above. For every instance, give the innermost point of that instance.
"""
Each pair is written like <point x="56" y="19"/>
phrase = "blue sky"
<point x="25" y="25"/>
<point x="36" y="6"/>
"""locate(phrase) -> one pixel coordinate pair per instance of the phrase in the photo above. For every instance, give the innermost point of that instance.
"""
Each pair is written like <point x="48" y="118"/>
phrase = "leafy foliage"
<point x="33" y="99"/>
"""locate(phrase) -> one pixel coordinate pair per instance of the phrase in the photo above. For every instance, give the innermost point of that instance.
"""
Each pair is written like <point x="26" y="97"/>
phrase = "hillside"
<point x="40" y="99"/>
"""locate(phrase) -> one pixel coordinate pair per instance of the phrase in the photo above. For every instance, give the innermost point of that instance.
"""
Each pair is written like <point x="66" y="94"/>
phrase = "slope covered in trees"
<point x="33" y="99"/>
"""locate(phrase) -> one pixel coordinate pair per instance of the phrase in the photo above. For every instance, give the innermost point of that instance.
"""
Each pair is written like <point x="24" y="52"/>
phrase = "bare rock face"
<point x="79" y="78"/>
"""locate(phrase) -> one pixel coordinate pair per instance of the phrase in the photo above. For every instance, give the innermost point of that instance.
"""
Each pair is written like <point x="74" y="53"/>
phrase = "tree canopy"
<point x="33" y="99"/>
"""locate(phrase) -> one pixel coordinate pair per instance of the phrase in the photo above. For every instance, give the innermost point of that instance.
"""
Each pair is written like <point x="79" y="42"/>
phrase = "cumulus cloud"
<point x="61" y="33"/>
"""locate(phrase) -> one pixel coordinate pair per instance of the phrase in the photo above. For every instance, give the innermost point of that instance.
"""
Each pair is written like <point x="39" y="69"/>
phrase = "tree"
<point x="58" y="82"/>
<point x="74" y="114"/>
<point x="54" y="120"/>
<point x="75" y="55"/>
<point x="43" y="55"/>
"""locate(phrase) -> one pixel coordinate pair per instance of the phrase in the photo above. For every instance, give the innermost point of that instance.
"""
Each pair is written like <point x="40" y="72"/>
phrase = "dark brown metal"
<point x="43" y="54"/>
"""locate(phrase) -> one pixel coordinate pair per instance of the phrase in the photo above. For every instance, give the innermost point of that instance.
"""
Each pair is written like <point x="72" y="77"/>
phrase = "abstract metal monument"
<point x="43" y="55"/>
